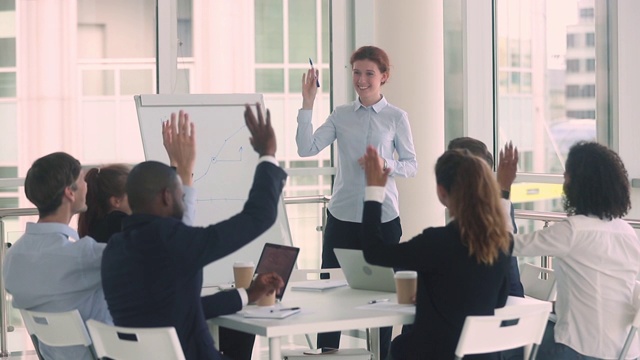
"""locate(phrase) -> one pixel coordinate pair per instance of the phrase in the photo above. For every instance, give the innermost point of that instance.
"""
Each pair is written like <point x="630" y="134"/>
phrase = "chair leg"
<point x="627" y="343"/>
<point x="308" y="337"/>
<point x="36" y="346"/>
<point x="534" y="352"/>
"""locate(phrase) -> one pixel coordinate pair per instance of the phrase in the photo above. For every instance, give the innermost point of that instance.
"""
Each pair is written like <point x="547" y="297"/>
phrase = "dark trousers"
<point x="235" y="345"/>
<point x="346" y="235"/>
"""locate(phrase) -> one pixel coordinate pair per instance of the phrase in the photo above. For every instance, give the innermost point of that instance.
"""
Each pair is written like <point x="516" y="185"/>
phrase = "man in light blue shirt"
<point x="50" y="268"/>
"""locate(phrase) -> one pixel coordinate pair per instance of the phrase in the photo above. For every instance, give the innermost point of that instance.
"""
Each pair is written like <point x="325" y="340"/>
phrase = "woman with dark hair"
<point x="369" y="120"/>
<point x="107" y="202"/>
<point x="462" y="267"/>
<point x="596" y="255"/>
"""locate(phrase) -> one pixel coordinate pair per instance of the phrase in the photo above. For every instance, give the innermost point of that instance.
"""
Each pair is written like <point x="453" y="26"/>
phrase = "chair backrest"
<point x="635" y="323"/>
<point x="57" y="329"/>
<point x="314" y="274"/>
<point x="538" y="282"/>
<point x="123" y="343"/>
<point x="520" y="326"/>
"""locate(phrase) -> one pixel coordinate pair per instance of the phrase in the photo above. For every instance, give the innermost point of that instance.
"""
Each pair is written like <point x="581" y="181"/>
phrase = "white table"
<point x="331" y="310"/>
<point x="334" y="310"/>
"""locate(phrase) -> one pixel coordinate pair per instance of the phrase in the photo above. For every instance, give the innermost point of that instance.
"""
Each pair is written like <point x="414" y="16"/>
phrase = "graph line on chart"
<point x="214" y="159"/>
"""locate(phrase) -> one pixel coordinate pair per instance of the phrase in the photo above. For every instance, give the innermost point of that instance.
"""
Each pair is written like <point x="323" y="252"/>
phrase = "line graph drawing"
<point x="215" y="158"/>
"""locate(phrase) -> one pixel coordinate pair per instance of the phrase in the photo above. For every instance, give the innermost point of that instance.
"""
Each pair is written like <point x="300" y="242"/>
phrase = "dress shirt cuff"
<point x="506" y="212"/>
<point x="244" y="298"/>
<point x="270" y="159"/>
<point x="305" y="116"/>
<point x="374" y="193"/>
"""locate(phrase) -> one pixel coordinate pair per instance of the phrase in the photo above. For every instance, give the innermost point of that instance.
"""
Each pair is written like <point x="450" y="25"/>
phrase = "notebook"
<point x="280" y="259"/>
<point x="362" y="275"/>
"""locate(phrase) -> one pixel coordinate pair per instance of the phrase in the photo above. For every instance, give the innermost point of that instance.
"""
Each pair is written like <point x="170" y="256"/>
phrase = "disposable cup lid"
<point x="406" y="275"/>
<point x="243" y="264"/>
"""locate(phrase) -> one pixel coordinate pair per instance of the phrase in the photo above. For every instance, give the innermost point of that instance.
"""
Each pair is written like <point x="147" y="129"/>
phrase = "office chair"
<point x="56" y="329"/>
<point x="537" y="286"/>
<point x="515" y="327"/>
<point x="124" y="343"/>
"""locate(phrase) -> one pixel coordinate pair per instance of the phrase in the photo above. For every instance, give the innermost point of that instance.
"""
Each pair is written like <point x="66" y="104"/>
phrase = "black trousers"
<point x="235" y="345"/>
<point x="346" y="235"/>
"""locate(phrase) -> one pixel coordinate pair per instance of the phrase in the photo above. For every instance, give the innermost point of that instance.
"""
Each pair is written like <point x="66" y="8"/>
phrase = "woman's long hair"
<point x="474" y="199"/>
<point x="102" y="184"/>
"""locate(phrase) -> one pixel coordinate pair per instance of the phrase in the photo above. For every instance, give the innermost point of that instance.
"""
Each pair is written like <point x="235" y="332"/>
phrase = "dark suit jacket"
<point x="451" y="285"/>
<point x="152" y="271"/>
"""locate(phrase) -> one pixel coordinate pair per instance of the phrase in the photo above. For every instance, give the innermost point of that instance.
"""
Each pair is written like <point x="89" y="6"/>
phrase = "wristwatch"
<point x="506" y="194"/>
<point x="385" y="166"/>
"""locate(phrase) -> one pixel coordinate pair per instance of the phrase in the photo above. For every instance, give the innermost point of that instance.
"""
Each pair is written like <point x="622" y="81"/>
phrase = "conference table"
<point x="334" y="310"/>
<point x="330" y="310"/>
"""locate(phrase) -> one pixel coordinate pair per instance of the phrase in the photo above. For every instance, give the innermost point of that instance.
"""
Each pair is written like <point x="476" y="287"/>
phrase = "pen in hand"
<point x="378" y="301"/>
<point x="317" y="80"/>
<point x="285" y="309"/>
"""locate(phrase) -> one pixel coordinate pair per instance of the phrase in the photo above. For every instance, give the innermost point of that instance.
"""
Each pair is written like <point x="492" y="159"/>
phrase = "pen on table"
<point x="378" y="301"/>
<point x="317" y="81"/>
<point x="285" y="309"/>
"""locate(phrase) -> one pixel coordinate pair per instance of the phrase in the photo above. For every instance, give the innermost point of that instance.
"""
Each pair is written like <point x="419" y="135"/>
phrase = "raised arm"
<point x="179" y="140"/>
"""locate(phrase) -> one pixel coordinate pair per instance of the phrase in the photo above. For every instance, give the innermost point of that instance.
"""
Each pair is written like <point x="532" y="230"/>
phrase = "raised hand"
<point x="373" y="168"/>
<point x="507" y="166"/>
<point x="263" y="138"/>
<point x="264" y="284"/>
<point x="309" y="88"/>
<point x="179" y="140"/>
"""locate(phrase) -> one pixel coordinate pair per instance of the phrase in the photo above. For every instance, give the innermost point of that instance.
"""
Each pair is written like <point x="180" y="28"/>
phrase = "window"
<point x="586" y="13"/>
<point x="590" y="65"/>
<point x="571" y="40"/>
<point x="590" y="39"/>
<point x="581" y="114"/>
<point x="588" y="91"/>
<point x="573" y="65"/>
<point x="573" y="91"/>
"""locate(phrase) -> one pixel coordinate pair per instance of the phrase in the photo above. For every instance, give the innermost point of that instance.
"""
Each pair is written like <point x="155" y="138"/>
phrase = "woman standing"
<point x="369" y="120"/>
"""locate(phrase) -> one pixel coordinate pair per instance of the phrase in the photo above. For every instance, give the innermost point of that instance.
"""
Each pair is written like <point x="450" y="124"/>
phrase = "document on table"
<point x="270" y="312"/>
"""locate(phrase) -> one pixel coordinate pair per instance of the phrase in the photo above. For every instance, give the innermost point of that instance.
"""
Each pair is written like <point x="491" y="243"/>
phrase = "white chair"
<point x="56" y="329"/>
<point x="511" y="328"/>
<point x="123" y="343"/>
<point x="635" y="323"/>
<point x="539" y="283"/>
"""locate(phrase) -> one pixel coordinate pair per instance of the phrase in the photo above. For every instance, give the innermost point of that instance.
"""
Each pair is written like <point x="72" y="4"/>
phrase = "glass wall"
<point x="546" y="88"/>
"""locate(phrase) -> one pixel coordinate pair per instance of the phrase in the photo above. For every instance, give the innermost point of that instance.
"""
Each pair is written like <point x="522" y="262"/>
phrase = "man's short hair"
<point x="474" y="146"/>
<point x="146" y="180"/>
<point x="47" y="179"/>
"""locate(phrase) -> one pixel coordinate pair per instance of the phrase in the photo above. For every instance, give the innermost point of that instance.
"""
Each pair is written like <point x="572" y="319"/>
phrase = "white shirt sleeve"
<point x="506" y="213"/>
<point x="243" y="296"/>
<point x="189" y="216"/>
<point x="555" y="240"/>
<point x="374" y="193"/>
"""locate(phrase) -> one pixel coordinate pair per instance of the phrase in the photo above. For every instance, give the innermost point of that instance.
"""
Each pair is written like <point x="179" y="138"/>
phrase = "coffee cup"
<point x="267" y="300"/>
<point x="406" y="286"/>
<point x="243" y="273"/>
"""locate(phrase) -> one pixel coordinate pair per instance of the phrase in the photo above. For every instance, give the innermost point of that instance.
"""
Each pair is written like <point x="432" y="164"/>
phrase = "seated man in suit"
<point x="161" y="258"/>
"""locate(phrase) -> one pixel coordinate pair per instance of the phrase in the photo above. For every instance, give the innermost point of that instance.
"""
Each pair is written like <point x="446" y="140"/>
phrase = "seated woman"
<point x="106" y="202"/>
<point x="462" y="267"/>
<point x="596" y="255"/>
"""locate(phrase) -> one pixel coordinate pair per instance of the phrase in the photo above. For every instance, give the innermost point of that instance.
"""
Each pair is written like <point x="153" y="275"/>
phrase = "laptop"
<point x="280" y="259"/>
<point x="362" y="275"/>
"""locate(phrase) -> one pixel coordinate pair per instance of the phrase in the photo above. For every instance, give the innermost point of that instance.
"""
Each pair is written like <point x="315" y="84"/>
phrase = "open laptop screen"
<point x="280" y="259"/>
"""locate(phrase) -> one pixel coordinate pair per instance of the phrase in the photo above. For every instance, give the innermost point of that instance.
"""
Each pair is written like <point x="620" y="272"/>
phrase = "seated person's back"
<point x="462" y="267"/>
<point x="51" y="269"/>
<point x="152" y="271"/>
